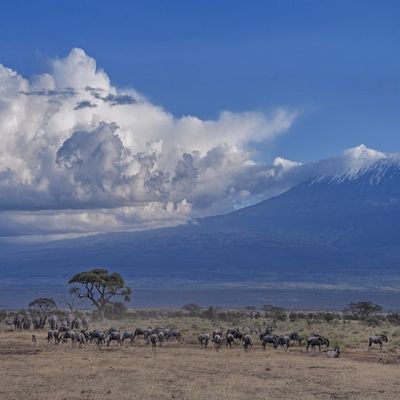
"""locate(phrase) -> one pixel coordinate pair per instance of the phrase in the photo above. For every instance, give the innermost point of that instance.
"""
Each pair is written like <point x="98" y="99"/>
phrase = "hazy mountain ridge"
<point x="322" y="226"/>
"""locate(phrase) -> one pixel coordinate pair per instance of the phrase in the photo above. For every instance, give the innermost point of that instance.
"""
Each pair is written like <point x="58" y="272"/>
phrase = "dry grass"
<point x="184" y="371"/>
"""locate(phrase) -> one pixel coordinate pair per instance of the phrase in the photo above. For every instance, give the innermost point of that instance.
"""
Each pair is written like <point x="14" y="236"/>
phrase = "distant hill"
<point x="328" y="229"/>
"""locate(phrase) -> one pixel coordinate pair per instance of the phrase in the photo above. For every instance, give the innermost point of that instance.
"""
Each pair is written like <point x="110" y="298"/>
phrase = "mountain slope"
<point x="326" y="227"/>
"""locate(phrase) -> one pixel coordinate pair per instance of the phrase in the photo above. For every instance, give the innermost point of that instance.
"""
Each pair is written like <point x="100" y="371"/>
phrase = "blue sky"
<point x="336" y="61"/>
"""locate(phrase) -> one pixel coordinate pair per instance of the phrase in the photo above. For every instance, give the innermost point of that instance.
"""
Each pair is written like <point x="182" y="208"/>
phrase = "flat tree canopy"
<point x="44" y="304"/>
<point x="363" y="309"/>
<point x="99" y="286"/>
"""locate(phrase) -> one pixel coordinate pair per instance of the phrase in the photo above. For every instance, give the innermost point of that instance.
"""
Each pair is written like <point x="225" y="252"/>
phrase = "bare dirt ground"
<point x="184" y="371"/>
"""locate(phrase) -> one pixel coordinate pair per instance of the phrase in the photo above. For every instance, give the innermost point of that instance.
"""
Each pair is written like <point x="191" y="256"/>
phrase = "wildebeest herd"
<point x="77" y="332"/>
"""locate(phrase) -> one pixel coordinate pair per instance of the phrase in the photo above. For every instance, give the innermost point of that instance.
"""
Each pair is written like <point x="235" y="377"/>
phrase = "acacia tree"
<point x="363" y="309"/>
<point x="99" y="287"/>
<point x="44" y="304"/>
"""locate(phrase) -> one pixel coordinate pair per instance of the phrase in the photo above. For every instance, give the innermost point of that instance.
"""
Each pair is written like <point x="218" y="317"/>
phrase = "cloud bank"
<point x="80" y="156"/>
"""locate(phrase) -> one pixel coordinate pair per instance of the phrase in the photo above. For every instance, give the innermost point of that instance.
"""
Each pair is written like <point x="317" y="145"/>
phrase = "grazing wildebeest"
<point x="153" y="340"/>
<point x="317" y="340"/>
<point x="98" y="336"/>
<point x="173" y="334"/>
<point x="76" y="323"/>
<point x="229" y="339"/>
<point x="218" y="331"/>
<point x="139" y="332"/>
<point x="65" y="335"/>
<point x="53" y="335"/>
<point x="26" y="322"/>
<point x="378" y="339"/>
<point x="295" y="337"/>
<point x="247" y="342"/>
<point x="78" y="338"/>
<point x="267" y="331"/>
<point x="333" y="353"/>
<point x="235" y="332"/>
<point x="128" y="335"/>
<point x="218" y="340"/>
<point x="18" y="321"/>
<point x="283" y="341"/>
<point x="203" y="339"/>
<point x="265" y="339"/>
<point x="161" y="337"/>
<point x="53" y="322"/>
<point x="39" y="322"/>
<point x="114" y="336"/>
<point x="85" y="322"/>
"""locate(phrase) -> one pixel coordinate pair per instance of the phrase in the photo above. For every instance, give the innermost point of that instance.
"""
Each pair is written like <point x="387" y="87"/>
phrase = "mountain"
<point x="337" y="230"/>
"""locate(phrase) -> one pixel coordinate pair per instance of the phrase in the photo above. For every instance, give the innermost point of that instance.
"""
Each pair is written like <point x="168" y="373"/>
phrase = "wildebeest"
<point x="378" y="339"/>
<point x="333" y="353"/>
<point x="128" y="335"/>
<point x="173" y="334"/>
<point x="39" y="322"/>
<point x="78" y="338"/>
<point x="217" y="331"/>
<point x="218" y="340"/>
<point x="203" y="339"/>
<point x="229" y="339"/>
<point x="265" y="339"/>
<point x="235" y="332"/>
<point x="26" y="322"/>
<point x="53" y="322"/>
<point x="317" y="340"/>
<point x="295" y="337"/>
<point x="247" y="342"/>
<point x="76" y="323"/>
<point x="283" y="341"/>
<point x="139" y="332"/>
<point x="153" y="340"/>
<point x="18" y="321"/>
<point x="161" y="337"/>
<point x="98" y="336"/>
<point x="113" y="336"/>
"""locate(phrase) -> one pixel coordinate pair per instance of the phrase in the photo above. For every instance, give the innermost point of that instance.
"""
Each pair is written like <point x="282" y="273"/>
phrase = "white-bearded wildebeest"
<point x="39" y="322"/>
<point x="173" y="334"/>
<point x="378" y="339"/>
<point x="18" y="321"/>
<point x="53" y="335"/>
<point x="218" y="340"/>
<point x="235" y="332"/>
<point x="153" y="340"/>
<point x="26" y="322"/>
<point x="203" y="339"/>
<point x="53" y="322"/>
<point x="113" y="336"/>
<point x="333" y="353"/>
<point x="229" y="339"/>
<point x="139" y="332"/>
<point x="295" y="337"/>
<point x="217" y="331"/>
<point x="317" y="340"/>
<point x="265" y="339"/>
<point x="247" y="342"/>
<point x="284" y="341"/>
<point x="128" y="335"/>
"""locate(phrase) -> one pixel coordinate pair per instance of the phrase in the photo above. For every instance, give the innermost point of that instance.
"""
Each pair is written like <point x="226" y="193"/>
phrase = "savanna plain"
<point x="184" y="370"/>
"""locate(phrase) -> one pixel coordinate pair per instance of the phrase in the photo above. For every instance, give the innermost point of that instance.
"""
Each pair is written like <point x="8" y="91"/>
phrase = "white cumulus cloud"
<point x="78" y="155"/>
